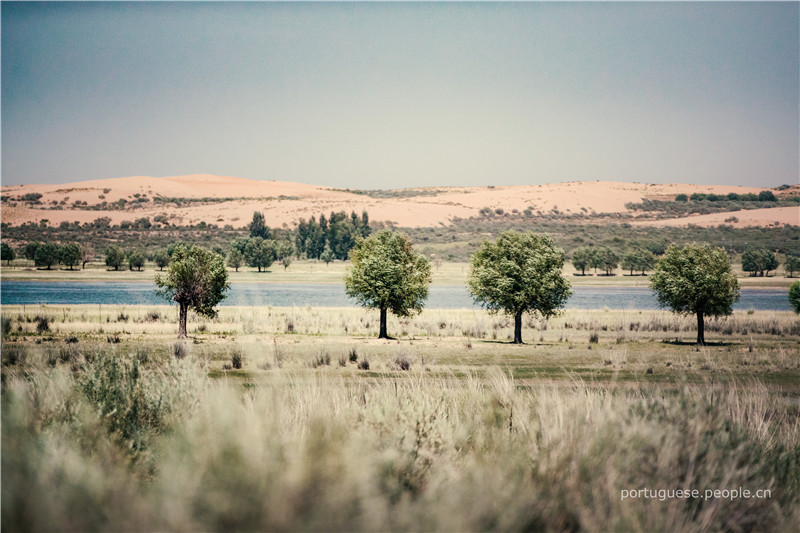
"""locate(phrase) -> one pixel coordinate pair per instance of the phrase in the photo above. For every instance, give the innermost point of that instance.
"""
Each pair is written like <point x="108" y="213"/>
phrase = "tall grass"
<point x="124" y="445"/>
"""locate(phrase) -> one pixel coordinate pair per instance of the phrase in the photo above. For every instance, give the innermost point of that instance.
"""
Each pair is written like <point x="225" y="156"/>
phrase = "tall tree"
<point x="136" y="259"/>
<point x="697" y="280"/>
<point x="582" y="258"/>
<point x="258" y="228"/>
<point x="794" y="296"/>
<point x="197" y="280"/>
<point x="161" y="259"/>
<point x="70" y="255"/>
<point x="519" y="273"/>
<point x="88" y="253"/>
<point x="235" y="259"/>
<point x="7" y="253"/>
<point x="260" y="253"/>
<point x="791" y="264"/>
<point x="47" y="255"/>
<point x="115" y="257"/>
<point x="387" y="274"/>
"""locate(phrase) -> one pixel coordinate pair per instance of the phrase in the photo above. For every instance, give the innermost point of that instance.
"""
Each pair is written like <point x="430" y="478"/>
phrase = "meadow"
<point x="299" y="418"/>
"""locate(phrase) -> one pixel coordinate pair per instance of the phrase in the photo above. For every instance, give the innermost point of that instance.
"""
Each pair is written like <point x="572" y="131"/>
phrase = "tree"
<point x="235" y="259"/>
<point x="29" y="251"/>
<point x="69" y="255"/>
<point x="327" y="255"/>
<point x="136" y="259"/>
<point x="161" y="259"/>
<point x="387" y="274"/>
<point x="582" y="258"/>
<point x="88" y="253"/>
<point x="791" y="264"/>
<point x="7" y="253"/>
<point x="258" y="228"/>
<point x="259" y="253"/>
<point x="519" y="273"/>
<point x="758" y="261"/>
<point x="115" y="257"/>
<point x="607" y="259"/>
<point x="696" y="280"/>
<point x="197" y="280"/>
<point x="47" y="255"/>
<point x="794" y="296"/>
<point x="638" y="259"/>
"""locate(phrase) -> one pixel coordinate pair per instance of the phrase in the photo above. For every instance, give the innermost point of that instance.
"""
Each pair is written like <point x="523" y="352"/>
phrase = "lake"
<point x="333" y="295"/>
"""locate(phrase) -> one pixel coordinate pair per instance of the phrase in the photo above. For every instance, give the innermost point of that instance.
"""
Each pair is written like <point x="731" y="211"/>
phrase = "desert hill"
<point x="223" y="200"/>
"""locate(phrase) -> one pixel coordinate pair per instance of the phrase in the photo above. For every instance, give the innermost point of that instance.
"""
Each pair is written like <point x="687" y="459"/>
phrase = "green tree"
<point x="638" y="259"/>
<point x="115" y="257"/>
<point x="794" y="296"/>
<point x="327" y="255"/>
<point x="235" y="259"/>
<point x="7" y="253"/>
<point x="759" y="261"/>
<point x="258" y="228"/>
<point x="136" y="259"/>
<point x="259" y="253"/>
<point x="607" y="259"/>
<point x="387" y="274"/>
<point x="519" y="273"/>
<point x="791" y="264"/>
<point x="697" y="280"/>
<point x="29" y="251"/>
<point x="582" y="258"/>
<point x="70" y="255"/>
<point x="196" y="279"/>
<point x="161" y="259"/>
<point x="47" y="255"/>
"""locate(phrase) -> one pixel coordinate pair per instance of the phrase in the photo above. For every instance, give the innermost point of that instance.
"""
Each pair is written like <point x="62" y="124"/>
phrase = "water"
<point x="333" y="295"/>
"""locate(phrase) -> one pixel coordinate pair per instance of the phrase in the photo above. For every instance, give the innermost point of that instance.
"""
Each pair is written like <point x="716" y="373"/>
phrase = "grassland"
<point x="299" y="418"/>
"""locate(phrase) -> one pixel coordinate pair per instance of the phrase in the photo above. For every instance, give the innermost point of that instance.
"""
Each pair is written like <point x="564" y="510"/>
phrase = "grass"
<point x="449" y="427"/>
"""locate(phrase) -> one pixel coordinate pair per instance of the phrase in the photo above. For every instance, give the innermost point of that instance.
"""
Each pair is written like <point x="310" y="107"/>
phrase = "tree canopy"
<point x="387" y="274"/>
<point x="519" y="273"/>
<point x="794" y="296"/>
<point x="196" y="279"/>
<point x="696" y="279"/>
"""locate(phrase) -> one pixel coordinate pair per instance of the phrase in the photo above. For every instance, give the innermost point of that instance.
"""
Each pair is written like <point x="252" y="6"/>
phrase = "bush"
<point x="237" y="359"/>
<point x="363" y="364"/>
<point x="403" y="362"/>
<point x="594" y="338"/>
<point x="42" y="324"/>
<point x="6" y="322"/>
<point x="353" y="356"/>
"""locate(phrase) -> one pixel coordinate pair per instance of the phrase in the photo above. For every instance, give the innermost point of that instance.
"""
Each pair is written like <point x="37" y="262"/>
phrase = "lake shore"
<point x="319" y="272"/>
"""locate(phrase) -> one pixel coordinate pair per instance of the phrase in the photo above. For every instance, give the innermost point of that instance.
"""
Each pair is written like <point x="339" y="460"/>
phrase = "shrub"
<point x="322" y="358"/>
<point x="237" y="359"/>
<point x="42" y="324"/>
<point x="6" y="322"/>
<point x="403" y="363"/>
<point x="353" y="356"/>
<point x="180" y="350"/>
<point x="363" y="364"/>
<point x="594" y="337"/>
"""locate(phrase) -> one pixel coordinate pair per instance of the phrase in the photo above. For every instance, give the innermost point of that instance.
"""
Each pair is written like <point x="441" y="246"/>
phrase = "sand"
<point x="285" y="203"/>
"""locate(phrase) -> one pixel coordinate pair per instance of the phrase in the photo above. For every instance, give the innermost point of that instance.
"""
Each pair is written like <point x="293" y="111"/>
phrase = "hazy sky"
<point x="375" y="95"/>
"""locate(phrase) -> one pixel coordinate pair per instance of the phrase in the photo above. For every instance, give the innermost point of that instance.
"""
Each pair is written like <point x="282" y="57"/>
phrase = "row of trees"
<point x="49" y="254"/>
<point x="635" y="259"/>
<point x="330" y="238"/>
<point x="522" y="272"/>
<point x="516" y="274"/>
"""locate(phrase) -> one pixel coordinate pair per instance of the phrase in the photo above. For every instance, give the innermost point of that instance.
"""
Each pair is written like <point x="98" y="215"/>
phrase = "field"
<point x="299" y="418"/>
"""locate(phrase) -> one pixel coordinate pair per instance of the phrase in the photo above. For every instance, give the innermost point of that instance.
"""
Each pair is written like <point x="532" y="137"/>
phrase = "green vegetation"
<point x="697" y="280"/>
<point x="196" y="280"/>
<point x="702" y="203"/>
<point x="792" y="265"/>
<point x="115" y="257"/>
<point x="8" y="253"/>
<point x="758" y="262"/>
<point x="794" y="296"/>
<point x="387" y="274"/>
<point x="519" y="273"/>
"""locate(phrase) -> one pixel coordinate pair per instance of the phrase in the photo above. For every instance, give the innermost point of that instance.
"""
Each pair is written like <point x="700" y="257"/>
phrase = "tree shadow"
<point x="676" y="342"/>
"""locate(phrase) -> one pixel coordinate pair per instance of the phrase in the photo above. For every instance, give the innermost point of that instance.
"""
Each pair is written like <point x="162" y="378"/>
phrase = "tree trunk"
<point x="701" y="339"/>
<point x="518" y="328"/>
<point x="184" y="308"/>
<point x="382" y="334"/>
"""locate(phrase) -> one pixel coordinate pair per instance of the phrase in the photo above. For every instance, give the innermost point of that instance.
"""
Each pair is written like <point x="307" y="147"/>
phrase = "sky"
<point x="390" y="95"/>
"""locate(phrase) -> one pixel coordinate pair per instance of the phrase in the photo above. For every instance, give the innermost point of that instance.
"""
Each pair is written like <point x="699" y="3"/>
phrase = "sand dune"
<point x="232" y="200"/>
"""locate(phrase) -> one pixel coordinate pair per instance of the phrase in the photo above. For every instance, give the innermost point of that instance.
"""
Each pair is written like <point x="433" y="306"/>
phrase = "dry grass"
<point x="437" y="432"/>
